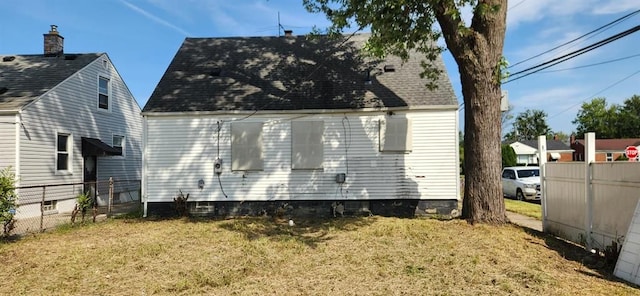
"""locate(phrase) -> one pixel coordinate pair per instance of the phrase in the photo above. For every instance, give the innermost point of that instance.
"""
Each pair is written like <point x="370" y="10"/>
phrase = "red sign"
<point x="631" y="152"/>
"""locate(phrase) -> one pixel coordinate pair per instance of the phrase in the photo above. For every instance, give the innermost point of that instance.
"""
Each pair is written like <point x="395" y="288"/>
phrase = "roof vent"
<point x="389" y="68"/>
<point x="8" y="58"/>
<point x="288" y="33"/>
<point x="3" y="90"/>
<point x="70" y="57"/>
<point x="367" y="77"/>
<point x="216" y="72"/>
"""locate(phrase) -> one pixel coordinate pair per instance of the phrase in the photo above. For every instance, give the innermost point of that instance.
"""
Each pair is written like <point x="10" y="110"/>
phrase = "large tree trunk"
<point x="483" y="201"/>
<point x="478" y="53"/>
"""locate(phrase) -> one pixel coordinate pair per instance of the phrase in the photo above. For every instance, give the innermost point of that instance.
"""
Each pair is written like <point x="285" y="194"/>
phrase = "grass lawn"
<point x="525" y="208"/>
<point x="263" y="256"/>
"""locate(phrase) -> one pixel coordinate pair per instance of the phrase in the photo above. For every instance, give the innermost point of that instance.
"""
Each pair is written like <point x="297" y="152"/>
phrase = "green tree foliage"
<point x="609" y="121"/>
<point x="596" y="116"/>
<point x="628" y="118"/>
<point x="402" y="27"/>
<point x="8" y="199"/>
<point x="529" y="125"/>
<point x="509" y="157"/>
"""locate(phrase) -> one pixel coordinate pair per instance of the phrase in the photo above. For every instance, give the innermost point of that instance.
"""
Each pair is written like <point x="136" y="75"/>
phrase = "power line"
<point x="578" y="38"/>
<point x="516" y="5"/>
<point x="597" y="93"/>
<point x="591" y="65"/>
<point x="573" y="54"/>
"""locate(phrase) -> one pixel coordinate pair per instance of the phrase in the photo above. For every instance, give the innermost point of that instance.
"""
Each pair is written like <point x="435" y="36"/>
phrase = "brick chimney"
<point x="288" y="33"/>
<point x="53" y="43"/>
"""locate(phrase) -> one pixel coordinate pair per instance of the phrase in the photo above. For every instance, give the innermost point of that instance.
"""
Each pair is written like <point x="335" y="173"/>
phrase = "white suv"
<point x="521" y="182"/>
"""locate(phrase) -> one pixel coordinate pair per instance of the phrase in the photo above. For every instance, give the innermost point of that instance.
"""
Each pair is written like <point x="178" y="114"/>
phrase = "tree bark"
<point x="478" y="52"/>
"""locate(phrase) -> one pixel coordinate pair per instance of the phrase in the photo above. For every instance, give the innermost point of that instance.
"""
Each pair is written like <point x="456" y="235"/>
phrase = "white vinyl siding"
<point x="307" y="148"/>
<point x="8" y="141"/>
<point x="180" y="150"/>
<point x="70" y="107"/>
<point x="395" y="135"/>
<point x="246" y="146"/>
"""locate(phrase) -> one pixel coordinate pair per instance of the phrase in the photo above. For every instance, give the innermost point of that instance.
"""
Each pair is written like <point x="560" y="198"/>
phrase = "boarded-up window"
<point x="246" y="146"/>
<point x="307" y="151"/>
<point x="395" y="135"/>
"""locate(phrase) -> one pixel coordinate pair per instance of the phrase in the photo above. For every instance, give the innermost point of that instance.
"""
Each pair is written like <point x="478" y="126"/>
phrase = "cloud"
<point x="154" y="18"/>
<point x="618" y="6"/>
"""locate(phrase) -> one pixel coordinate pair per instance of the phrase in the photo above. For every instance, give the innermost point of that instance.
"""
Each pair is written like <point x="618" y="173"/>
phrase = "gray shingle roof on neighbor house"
<point x="24" y="78"/>
<point x="291" y="73"/>
<point x="552" y="145"/>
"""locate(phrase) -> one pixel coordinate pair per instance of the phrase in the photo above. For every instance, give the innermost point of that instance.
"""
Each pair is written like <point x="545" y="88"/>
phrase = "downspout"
<point x="18" y="126"/>
<point x="143" y="182"/>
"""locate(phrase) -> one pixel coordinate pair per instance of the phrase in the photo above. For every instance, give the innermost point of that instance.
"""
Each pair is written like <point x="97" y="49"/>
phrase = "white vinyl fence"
<point x="590" y="203"/>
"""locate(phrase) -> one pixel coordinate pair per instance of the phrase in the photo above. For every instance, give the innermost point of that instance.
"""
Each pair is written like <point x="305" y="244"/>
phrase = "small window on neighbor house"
<point x="307" y="149"/>
<point x="118" y="142"/>
<point x="246" y="146"/>
<point x="63" y="148"/>
<point x="103" y="93"/>
<point x="609" y="156"/>
<point x="49" y="205"/>
<point x="395" y="135"/>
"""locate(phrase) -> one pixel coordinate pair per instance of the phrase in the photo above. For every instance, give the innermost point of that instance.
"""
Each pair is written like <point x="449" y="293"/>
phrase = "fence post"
<point x="110" y="196"/>
<point x="542" y="163"/>
<point x="589" y="158"/>
<point x="42" y="209"/>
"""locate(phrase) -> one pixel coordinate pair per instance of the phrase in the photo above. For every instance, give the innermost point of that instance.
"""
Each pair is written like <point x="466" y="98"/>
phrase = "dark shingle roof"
<point x="24" y="78"/>
<point x="613" y="144"/>
<point x="290" y="73"/>
<point x="552" y="145"/>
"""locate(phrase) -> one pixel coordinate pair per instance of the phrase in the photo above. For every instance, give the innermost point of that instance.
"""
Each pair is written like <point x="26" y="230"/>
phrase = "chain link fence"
<point x="43" y="207"/>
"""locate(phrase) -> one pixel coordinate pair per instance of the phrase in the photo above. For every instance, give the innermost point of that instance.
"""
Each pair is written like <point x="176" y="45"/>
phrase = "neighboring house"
<point x="66" y="118"/>
<point x="304" y="125"/>
<point x="527" y="151"/>
<point x="606" y="149"/>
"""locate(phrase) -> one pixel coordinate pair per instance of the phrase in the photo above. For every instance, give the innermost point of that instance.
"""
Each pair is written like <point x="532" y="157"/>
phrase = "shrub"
<point x="8" y="199"/>
<point x="509" y="157"/>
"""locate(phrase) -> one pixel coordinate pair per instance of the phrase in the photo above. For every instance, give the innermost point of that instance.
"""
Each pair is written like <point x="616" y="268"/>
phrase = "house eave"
<point x="303" y="111"/>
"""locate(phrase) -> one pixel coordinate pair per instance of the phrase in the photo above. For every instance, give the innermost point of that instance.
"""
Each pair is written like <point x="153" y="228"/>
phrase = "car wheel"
<point x="519" y="195"/>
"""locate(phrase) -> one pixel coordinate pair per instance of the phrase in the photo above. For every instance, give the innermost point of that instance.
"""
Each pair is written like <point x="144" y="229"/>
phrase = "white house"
<point x="66" y="118"/>
<point x="301" y="125"/>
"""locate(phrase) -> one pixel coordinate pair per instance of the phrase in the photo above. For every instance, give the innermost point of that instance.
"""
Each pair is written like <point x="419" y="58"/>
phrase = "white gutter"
<point x="305" y="111"/>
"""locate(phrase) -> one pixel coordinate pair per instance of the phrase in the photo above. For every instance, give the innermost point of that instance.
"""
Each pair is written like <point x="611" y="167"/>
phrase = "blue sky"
<point x="142" y="36"/>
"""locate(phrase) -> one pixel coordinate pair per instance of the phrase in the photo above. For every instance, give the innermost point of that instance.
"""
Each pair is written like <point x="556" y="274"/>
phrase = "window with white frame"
<point x="395" y="135"/>
<point x="609" y="156"/>
<point x="103" y="93"/>
<point x="246" y="146"/>
<point x="63" y="152"/>
<point x="118" y="142"/>
<point x="307" y="150"/>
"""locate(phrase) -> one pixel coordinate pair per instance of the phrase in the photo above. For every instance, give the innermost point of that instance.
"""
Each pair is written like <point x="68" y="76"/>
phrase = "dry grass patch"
<point x="351" y="256"/>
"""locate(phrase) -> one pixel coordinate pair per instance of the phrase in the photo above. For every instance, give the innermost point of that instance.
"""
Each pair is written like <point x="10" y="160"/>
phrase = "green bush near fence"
<point x="8" y="199"/>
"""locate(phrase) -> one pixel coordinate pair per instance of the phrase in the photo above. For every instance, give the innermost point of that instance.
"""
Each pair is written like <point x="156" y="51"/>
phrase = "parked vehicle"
<point x="522" y="182"/>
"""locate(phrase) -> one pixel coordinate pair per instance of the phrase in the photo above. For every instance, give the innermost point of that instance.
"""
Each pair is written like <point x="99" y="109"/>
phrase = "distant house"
<point x="66" y="118"/>
<point x="527" y="151"/>
<point x="606" y="149"/>
<point x="301" y="125"/>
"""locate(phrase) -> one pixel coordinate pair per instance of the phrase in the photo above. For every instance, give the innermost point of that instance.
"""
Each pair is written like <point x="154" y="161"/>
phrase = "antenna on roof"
<point x="279" y="25"/>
